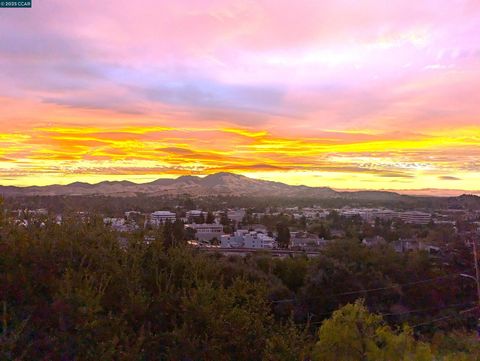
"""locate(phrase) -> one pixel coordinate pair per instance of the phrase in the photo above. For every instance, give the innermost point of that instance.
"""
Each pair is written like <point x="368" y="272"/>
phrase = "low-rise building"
<point x="207" y="232"/>
<point x="258" y="240"/>
<point x="248" y="239"/>
<point x="412" y="244"/>
<point x="373" y="241"/>
<point x="415" y="217"/>
<point x="234" y="240"/>
<point x="195" y="215"/>
<point x="338" y="233"/>
<point x="406" y="245"/>
<point x="119" y="224"/>
<point x="160" y="217"/>
<point x="129" y="214"/>
<point x="256" y="227"/>
<point x="305" y="240"/>
<point x="236" y="215"/>
<point x="384" y="214"/>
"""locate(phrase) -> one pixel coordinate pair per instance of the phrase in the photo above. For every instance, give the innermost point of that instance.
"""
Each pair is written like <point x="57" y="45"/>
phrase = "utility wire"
<point x="420" y="310"/>
<point x="408" y="312"/>
<point x="437" y="320"/>
<point x="371" y="289"/>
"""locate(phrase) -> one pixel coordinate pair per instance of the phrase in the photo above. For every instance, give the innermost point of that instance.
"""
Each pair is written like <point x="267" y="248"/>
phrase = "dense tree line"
<point x="115" y="206"/>
<point x="72" y="291"/>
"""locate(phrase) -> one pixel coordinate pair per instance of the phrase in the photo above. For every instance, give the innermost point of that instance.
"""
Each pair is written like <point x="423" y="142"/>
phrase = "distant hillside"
<point x="214" y="184"/>
<point x="217" y="184"/>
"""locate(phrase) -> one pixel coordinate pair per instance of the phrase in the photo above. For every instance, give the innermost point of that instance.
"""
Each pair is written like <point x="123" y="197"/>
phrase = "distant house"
<point x="207" y="232"/>
<point x="365" y="214"/>
<point x="257" y="228"/>
<point x="248" y="239"/>
<point x="129" y="214"/>
<point x="119" y="224"/>
<point x="233" y="240"/>
<point x="311" y="213"/>
<point x="160" y="217"/>
<point x="338" y="233"/>
<point x="415" y="217"/>
<point x="384" y="214"/>
<point x="412" y="244"/>
<point x="431" y="249"/>
<point x="39" y="212"/>
<point x="115" y="223"/>
<point x="406" y="245"/>
<point x="305" y="240"/>
<point x="236" y="215"/>
<point x="258" y="240"/>
<point x="373" y="241"/>
<point x="195" y="215"/>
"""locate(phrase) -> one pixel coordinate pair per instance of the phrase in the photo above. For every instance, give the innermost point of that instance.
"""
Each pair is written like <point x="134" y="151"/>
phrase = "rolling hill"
<point x="217" y="184"/>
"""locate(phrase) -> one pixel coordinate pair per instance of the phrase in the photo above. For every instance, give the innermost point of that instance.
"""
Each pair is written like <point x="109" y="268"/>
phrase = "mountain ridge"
<point x="222" y="183"/>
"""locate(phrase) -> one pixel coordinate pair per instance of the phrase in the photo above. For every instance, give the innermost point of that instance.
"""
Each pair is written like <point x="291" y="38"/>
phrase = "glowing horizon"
<point x="327" y="93"/>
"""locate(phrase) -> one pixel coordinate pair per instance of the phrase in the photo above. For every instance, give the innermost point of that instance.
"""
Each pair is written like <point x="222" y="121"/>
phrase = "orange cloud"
<point x="354" y="95"/>
<point x="57" y="153"/>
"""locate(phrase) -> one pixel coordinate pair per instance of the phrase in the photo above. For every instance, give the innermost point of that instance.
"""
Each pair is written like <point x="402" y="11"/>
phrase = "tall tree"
<point x="303" y="222"/>
<point x="210" y="218"/>
<point x="189" y="233"/>
<point x="283" y="235"/>
<point x="167" y="233"/>
<point x="178" y="231"/>
<point x="200" y="219"/>
<point x="355" y="334"/>
<point x="2" y="211"/>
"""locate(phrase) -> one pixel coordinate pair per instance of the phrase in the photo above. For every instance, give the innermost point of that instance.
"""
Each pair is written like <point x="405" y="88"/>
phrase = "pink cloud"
<point x="348" y="70"/>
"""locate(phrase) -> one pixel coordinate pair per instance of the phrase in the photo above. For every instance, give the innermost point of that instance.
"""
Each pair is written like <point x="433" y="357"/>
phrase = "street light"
<point x="476" y="279"/>
<point x="468" y="276"/>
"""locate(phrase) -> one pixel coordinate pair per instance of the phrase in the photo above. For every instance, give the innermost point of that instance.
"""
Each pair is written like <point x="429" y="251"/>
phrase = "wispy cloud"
<point x="357" y="93"/>
<point x="448" y="177"/>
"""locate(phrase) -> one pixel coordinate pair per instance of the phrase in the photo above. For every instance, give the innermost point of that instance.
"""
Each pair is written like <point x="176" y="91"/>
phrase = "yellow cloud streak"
<point x="51" y="152"/>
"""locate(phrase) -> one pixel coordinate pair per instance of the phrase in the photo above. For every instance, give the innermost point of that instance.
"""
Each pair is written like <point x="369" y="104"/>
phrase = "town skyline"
<point x="353" y="96"/>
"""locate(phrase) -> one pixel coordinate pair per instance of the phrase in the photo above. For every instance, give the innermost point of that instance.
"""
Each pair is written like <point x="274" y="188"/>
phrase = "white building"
<point x="304" y="240"/>
<point x="406" y="245"/>
<point x="256" y="227"/>
<point x="236" y="215"/>
<point x="248" y="239"/>
<point x="415" y="217"/>
<point x="207" y="232"/>
<point x="311" y="213"/>
<point x="373" y="241"/>
<point x="195" y="214"/>
<point x="31" y="212"/>
<point x="119" y="224"/>
<point x="232" y="240"/>
<point x="132" y="214"/>
<point x="160" y="217"/>
<point x="365" y="213"/>
<point x="384" y="214"/>
<point x="258" y="240"/>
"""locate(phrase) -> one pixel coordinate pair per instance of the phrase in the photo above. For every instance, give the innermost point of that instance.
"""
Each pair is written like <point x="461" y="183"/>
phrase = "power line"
<point x="428" y="309"/>
<point x="405" y="312"/>
<point x="370" y="290"/>
<point x="437" y="320"/>
<point x="419" y="310"/>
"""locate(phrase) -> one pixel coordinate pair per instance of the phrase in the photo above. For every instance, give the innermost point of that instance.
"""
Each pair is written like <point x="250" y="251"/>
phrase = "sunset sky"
<point x="346" y="94"/>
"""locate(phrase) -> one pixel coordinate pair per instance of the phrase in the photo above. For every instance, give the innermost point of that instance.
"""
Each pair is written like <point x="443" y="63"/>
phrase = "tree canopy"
<point x="78" y="290"/>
